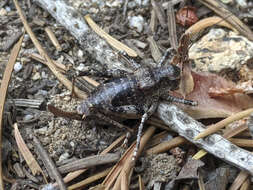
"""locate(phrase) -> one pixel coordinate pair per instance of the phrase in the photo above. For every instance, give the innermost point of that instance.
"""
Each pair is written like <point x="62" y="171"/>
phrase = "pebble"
<point x="41" y="131"/>
<point x="136" y="22"/>
<point x="80" y="53"/>
<point x="36" y="76"/>
<point x="17" y="67"/>
<point x="28" y="117"/>
<point x="64" y="156"/>
<point x="8" y="9"/>
<point x="219" y="51"/>
<point x="80" y="67"/>
<point x="3" y="12"/>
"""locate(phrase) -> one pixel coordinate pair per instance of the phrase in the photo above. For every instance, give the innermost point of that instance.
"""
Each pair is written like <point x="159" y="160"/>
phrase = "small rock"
<point x="28" y="117"/>
<point x="221" y="51"/>
<point x="44" y="75"/>
<point x="8" y="9"/>
<point x="41" y="131"/>
<point x="3" y="12"/>
<point x="36" y="76"/>
<point x="80" y="67"/>
<point x="64" y="156"/>
<point x="136" y="22"/>
<point x="115" y="3"/>
<point x="80" y="53"/>
<point x="17" y="67"/>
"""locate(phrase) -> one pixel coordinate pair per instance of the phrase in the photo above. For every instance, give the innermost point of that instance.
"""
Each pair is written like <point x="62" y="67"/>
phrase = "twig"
<point x="214" y="144"/>
<point x="3" y="90"/>
<point x="207" y="22"/>
<point x="53" y="39"/>
<point x="165" y="146"/>
<point x="239" y="180"/>
<point x="49" y="164"/>
<point x="89" y="162"/>
<point x="214" y="128"/>
<point x="90" y="179"/>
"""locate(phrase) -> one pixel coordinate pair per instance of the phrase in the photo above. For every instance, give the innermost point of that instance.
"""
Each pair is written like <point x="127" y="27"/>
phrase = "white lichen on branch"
<point x="74" y="22"/>
<point x="215" y="144"/>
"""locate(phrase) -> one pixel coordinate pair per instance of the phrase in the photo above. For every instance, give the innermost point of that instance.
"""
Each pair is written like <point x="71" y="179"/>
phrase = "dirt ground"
<point x="66" y="139"/>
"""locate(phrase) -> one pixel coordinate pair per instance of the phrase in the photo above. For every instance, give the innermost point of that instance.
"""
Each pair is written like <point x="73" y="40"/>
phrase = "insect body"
<point x="133" y="93"/>
<point x="137" y="93"/>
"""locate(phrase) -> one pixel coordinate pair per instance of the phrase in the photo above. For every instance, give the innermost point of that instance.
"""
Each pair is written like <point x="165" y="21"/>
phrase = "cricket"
<point x="135" y="94"/>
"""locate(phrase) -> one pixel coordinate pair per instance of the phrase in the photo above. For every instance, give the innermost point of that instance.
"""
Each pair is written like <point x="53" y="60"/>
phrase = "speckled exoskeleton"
<point x="136" y="93"/>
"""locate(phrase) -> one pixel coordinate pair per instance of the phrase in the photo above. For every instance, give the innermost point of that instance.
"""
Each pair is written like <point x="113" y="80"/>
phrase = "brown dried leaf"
<point x="217" y="107"/>
<point x="30" y="160"/>
<point x="244" y="87"/>
<point x="190" y="169"/>
<point x="186" y="83"/>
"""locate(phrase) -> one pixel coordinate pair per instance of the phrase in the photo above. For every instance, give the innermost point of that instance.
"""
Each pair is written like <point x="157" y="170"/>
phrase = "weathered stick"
<point x="215" y="144"/>
<point x="74" y="22"/>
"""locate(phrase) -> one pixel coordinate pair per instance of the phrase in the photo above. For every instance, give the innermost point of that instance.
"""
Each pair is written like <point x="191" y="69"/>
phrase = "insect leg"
<point x="165" y="56"/>
<point x="111" y="121"/>
<point x="144" y="118"/>
<point x="130" y="60"/>
<point x="179" y="100"/>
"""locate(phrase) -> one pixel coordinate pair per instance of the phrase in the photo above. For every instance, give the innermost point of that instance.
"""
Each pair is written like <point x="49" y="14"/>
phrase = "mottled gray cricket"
<point x="137" y="93"/>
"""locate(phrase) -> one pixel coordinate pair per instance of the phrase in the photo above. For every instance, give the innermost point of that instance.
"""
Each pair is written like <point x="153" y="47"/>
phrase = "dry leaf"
<point x="186" y="83"/>
<point x="217" y="107"/>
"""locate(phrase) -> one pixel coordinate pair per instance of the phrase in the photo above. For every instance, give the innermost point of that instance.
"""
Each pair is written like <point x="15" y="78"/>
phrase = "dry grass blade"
<point x="221" y="10"/>
<point x="239" y="180"/>
<point x="89" y="180"/>
<point x="3" y="90"/>
<point x="124" y="182"/>
<point x="53" y="39"/>
<point x="125" y="161"/>
<point x="165" y="146"/>
<point x="245" y="185"/>
<point x="59" y="66"/>
<point x="129" y="164"/>
<point x="29" y="158"/>
<point x="242" y="142"/>
<point x="207" y="22"/>
<point x="45" y="56"/>
<point x="89" y="162"/>
<point x="201" y="182"/>
<point x="112" y="41"/>
<point x="111" y="177"/>
<point x="141" y="183"/>
<point x="214" y="128"/>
